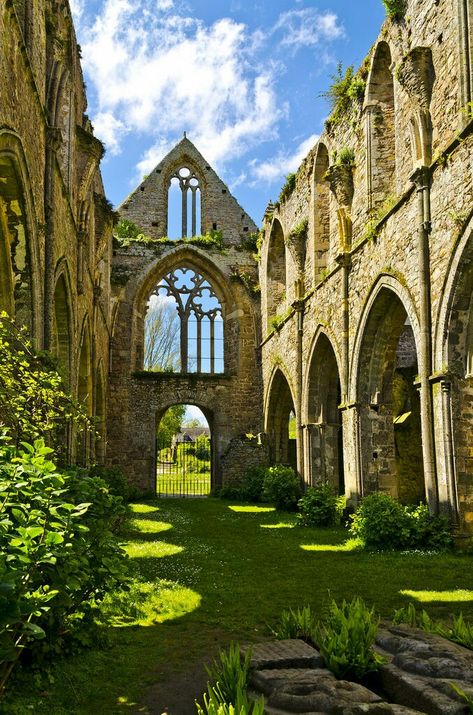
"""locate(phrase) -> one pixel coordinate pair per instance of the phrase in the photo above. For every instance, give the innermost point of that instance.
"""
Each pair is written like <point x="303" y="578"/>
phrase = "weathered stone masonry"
<point x="366" y="270"/>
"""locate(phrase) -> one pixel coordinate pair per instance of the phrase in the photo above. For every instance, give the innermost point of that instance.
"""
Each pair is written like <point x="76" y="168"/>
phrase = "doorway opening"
<point x="183" y="452"/>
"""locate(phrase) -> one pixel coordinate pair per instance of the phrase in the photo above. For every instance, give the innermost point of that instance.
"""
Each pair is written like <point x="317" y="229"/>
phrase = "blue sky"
<point x="243" y="79"/>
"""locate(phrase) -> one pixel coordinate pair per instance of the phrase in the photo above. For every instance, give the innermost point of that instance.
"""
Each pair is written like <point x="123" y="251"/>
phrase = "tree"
<point x="193" y="422"/>
<point x="170" y="424"/>
<point x="162" y="338"/>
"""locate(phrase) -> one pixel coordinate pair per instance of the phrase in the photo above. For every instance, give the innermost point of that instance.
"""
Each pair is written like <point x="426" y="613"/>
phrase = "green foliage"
<point x="300" y="231"/>
<point x="395" y="9"/>
<point x="202" y="448"/>
<point x="247" y="277"/>
<point x="288" y="187"/>
<point x="346" y="638"/>
<point x="301" y="623"/>
<point x="127" y="230"/>
<point x="211" y="239"/>
<point x="170" y="424"/>
<point x="320" y="506"/>
<point x="115" y="481"/>
<point x="460" y="631"/>
<point x="215" y="704"/>
<point x="277" y="321"/>
<point x="281" y="486"/>
<point x="59" y="555"/>
<point x="249" y="242"/>
<point x="467" y="110"/>
<point x="346" y="88"/>
<point x="250" y="489"/>
<point x="383" y="523"/>
<point x="33" y="401"/>
<point x="230" y="672"/>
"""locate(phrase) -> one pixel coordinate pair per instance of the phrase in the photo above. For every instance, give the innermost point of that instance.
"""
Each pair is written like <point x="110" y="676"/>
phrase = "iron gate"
<point x="183" y="468"/>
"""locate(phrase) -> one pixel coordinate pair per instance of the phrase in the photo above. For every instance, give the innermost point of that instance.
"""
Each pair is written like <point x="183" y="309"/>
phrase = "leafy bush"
<point x="383" y="523"/>
<point x="346" y="88"/>
<point x="320" y="506"/>
<point x="115" y="480"/>
<point x="346" y="637"/>
<point x="282" y="487"/>
<point x="58" y="553"/>
<point x="215" y="704"/>
<point x="250" y="488"/>
<point x="296" y="624"/>
<point x="33" y="401"/>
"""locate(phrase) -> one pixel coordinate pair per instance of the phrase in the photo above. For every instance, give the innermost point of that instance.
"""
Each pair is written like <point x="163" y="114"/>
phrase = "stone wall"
<point x="386" y="243"/>
<point x="55" y="224"/>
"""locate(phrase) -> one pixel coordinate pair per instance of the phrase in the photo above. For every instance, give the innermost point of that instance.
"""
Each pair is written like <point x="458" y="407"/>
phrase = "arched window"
<point x="184" y="201"/>
<point x="193" y="342"/>
<point x="276" y="281"/>
<point x="380" y="139"/>
<point x="61" y="329"/>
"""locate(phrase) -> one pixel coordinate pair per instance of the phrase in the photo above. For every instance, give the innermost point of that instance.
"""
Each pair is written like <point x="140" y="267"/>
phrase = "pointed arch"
<point x="62" y="322"/>
<point x="379" y="128"/>
<point x="280" y="405"/>
<point x="100" y="415"/>
<point x="276" y="280"/>
<point x="386" y="391"/>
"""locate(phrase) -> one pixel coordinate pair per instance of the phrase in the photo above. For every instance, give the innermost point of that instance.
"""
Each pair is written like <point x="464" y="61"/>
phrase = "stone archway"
<point x="391" y="442"/>
<point x="280" y="408"/>
<point x="324" y="421"/>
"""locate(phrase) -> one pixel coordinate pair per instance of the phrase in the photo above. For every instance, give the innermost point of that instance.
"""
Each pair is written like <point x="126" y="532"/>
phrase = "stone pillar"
<point x="352" y="456"/>
<point x="421" y="179"/>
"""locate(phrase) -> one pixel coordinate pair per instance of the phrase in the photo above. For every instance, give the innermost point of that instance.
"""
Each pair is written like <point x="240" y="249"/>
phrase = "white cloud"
<point x="77" y="9"/>
<point x="308" y="27"/>
<point x="283" y="163"/>
<point x="157" y="73"/>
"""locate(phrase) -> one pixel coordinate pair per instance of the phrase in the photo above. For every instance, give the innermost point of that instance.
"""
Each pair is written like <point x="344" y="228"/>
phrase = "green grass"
<point x="206" y="573"/>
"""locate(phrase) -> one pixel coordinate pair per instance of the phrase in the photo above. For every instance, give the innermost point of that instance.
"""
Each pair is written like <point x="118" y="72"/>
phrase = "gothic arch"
<point x="85" y="388"/>
<point x="323" y="418"/>
<point x="231" y="311"/>
<point x="100" y="414"/>
<point x="322" y="227"/>
<point x="193" y="186"/>
<point x="63" y="321"/>
<point x="385" y="373"/>
<point x="380" y="128"/>
<point x="275" y="270"/>
<point x="19" y="253"/>
<point x="279" y="405"/>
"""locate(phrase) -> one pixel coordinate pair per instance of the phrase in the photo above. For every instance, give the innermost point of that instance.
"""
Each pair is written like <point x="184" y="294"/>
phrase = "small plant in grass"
<point x="320" y="506"/>
<point x="226" y="689"/>
<point x="301" y="623"/>
<point x="282" y="487"/>
<point x="346" y="638"/>
<point x="460" y="632"/>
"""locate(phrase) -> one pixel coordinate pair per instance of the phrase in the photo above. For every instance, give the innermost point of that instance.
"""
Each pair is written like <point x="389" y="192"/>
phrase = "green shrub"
<point x="460" y="632"/>
<point x="282" y="487"/>
<point x="215" y="704"/>
<point x="252" y="485"/>
<point x="226" y="689"/>
<point x="115" y="480"/>
<point x="296" y="624"/>
<point x="59" y="556"/>
<point x="320" y="506"/>
<point x="346" y="638"/>
<point x="383" y="523"/>
<point x="288" y="188"/>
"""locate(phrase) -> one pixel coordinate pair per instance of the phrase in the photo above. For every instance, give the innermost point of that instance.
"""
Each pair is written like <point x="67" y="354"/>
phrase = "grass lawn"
<point x="208" y="572"/>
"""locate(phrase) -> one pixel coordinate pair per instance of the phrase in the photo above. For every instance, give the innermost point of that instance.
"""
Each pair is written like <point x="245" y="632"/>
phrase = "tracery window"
<point x="184" y="202"/>
<point x="199" y="312"/>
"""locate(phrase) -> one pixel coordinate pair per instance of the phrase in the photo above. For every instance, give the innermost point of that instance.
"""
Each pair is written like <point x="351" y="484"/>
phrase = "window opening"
<point x="200" y="319"/>
<point x="184" y="201"/>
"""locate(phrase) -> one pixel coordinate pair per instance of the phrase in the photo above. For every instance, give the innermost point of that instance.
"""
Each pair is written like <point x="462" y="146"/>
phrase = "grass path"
<point x="210" y="572"/>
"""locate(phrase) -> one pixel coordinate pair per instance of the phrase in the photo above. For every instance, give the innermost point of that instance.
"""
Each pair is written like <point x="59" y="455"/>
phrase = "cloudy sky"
<point x="243" y="79"/>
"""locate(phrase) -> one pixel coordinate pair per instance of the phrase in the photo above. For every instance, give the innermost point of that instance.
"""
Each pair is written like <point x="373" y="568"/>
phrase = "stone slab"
<point x="425" y="694"/>
<point x="327" y="695"/>
<point x="267" y="681"/>
<point x="293" y="653"/>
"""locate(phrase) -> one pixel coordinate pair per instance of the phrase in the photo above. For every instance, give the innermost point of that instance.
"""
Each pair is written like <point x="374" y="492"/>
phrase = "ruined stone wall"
<point x="231" y="401"/>
<point x="51" y="196"/>
<point x="385" y="258"/>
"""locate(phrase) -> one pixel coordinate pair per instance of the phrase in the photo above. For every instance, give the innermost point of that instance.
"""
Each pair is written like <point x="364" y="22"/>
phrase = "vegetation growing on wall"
<point x="288" y="187"/>
<point x="395" y="9"/>
<point x="300" y="230"/>
<point x="247" y="278"/>
<point x="127" y="232"/>
<point x="346" y="91"/>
